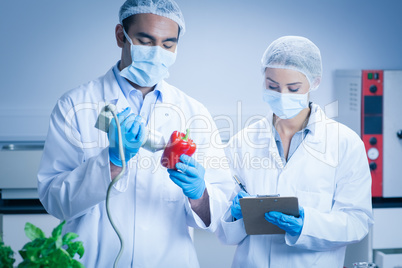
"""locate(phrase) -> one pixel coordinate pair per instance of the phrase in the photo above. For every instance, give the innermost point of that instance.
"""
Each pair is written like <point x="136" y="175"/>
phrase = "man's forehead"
<point x="154" y="25"/>
<point x="149" y="19"/>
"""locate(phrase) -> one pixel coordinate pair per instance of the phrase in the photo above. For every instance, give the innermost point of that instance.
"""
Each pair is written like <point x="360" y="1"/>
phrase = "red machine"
<point x="369" y="103"/>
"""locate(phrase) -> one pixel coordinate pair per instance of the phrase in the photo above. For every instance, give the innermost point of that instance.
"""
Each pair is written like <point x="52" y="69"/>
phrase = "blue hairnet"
<point x="164" y="8"/>
<point x="295" y="53"/>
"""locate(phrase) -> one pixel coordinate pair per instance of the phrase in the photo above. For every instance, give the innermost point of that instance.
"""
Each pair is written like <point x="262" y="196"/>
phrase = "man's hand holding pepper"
<point x="189" y="176"/>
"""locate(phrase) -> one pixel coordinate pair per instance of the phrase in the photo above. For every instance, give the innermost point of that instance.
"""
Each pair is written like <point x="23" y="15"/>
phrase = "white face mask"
<point x="285" y="105"/>
<point x="149" y="64"/>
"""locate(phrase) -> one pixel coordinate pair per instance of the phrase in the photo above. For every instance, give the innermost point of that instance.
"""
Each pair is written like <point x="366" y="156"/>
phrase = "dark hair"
<point x="127" y="22"/>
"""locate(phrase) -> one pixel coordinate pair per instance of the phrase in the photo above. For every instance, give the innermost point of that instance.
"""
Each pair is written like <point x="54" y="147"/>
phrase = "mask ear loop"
<point x="315" y="85"/>
<point x="128" y="38"/>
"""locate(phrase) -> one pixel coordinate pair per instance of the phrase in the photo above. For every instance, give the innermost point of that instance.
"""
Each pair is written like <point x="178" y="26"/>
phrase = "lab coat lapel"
<point x="266" y="136"/>
<point x="167" y="116"/>
<point x="274" y="152"/>
<point x="113" y="93"/>
<point x="317" y="142"/>
<point x="314" y="140"/>
<point x="121" y="103"/>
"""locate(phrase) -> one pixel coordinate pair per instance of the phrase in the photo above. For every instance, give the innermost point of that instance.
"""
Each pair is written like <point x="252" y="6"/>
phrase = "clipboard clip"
<point x="268" y="195"/>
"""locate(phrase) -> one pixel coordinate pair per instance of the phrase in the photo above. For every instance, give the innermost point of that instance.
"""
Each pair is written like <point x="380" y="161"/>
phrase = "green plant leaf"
<point x="48" y="248"/>
<point x="33" y="250"/>
<point x="23" y="254"/>
<point x="60" y="258"/>
<point x="75" y="248"/>
<point x="38" y="242"/>
<point x="69" y="237"/>
<point x="44" y="252"/>
<point x="6" y="255"/>
<point x="59" y="242"/>
<point x="81" y="250"/>
<point x="57" y="231"/>
<point x="77" y="264"/>
<point x="33" y="232"/>
<point x="27" y="264"/>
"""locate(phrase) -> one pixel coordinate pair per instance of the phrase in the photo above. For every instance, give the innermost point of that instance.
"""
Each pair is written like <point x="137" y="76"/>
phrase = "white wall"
<point x="226" y="40"/>
<point x="49" y="47"/>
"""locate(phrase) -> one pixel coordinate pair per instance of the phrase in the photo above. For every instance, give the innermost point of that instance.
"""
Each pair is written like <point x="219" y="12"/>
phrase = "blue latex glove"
<point x="132" y="131"/>
<point x="290" y="224"/>
<point x="189" y="176"/>
<point x="235" y="209"/>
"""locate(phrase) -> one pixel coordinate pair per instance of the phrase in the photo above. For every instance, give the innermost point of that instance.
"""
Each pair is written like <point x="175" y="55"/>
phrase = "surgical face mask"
<point x="285" y="105"/>
<point x="149" y="64"/>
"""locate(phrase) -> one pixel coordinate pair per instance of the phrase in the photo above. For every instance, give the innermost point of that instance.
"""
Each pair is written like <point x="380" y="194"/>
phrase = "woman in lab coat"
<point x="297" y="151"/>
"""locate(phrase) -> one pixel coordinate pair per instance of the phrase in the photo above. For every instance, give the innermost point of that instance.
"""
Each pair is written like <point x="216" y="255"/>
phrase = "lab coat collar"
<point x="316" y="125"/>
<point x="316" y="119"/>
<point x="316" y="141"/>
<point x="265" y="134"/>
<point x="315" y="138"/>
<point x="113" y="93"/>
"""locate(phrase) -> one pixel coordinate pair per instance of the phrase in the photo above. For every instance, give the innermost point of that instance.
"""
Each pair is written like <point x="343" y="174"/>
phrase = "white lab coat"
<point x="328" y="173"/>
<point x="149" y="210"/>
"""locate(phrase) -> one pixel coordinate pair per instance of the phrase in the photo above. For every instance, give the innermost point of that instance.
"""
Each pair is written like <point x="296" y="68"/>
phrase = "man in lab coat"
<point x="151" y="207"/>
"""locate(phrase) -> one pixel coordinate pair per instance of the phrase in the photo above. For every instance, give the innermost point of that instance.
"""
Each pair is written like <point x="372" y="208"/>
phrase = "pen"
<point x="239" y="183"/>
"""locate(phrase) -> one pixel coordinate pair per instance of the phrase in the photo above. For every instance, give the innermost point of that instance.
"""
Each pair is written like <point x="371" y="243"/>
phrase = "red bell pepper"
<point x="179" y="143"/>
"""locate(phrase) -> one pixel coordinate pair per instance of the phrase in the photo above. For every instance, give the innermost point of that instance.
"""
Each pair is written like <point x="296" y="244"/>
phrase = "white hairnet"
<point x="295" y="53"/>
<point x="164" y="8"/>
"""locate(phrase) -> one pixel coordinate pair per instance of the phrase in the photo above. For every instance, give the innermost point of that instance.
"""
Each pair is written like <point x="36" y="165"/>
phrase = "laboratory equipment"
<point x="388" y="258"/>
<point x="369" y="103"/>
<point x="103" y="123"/>
<point x="19" y="183"/>
<point x="154" y="140"/>
<point x="364" y="265"/>
<point x="19" y="202"/>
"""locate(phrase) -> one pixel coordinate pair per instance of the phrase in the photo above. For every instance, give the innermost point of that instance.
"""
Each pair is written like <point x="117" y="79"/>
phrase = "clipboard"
<point x="254" y="209"/>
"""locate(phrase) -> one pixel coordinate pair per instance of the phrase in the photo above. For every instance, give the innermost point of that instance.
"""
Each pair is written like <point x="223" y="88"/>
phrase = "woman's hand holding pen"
<point x="235" y="208"/>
